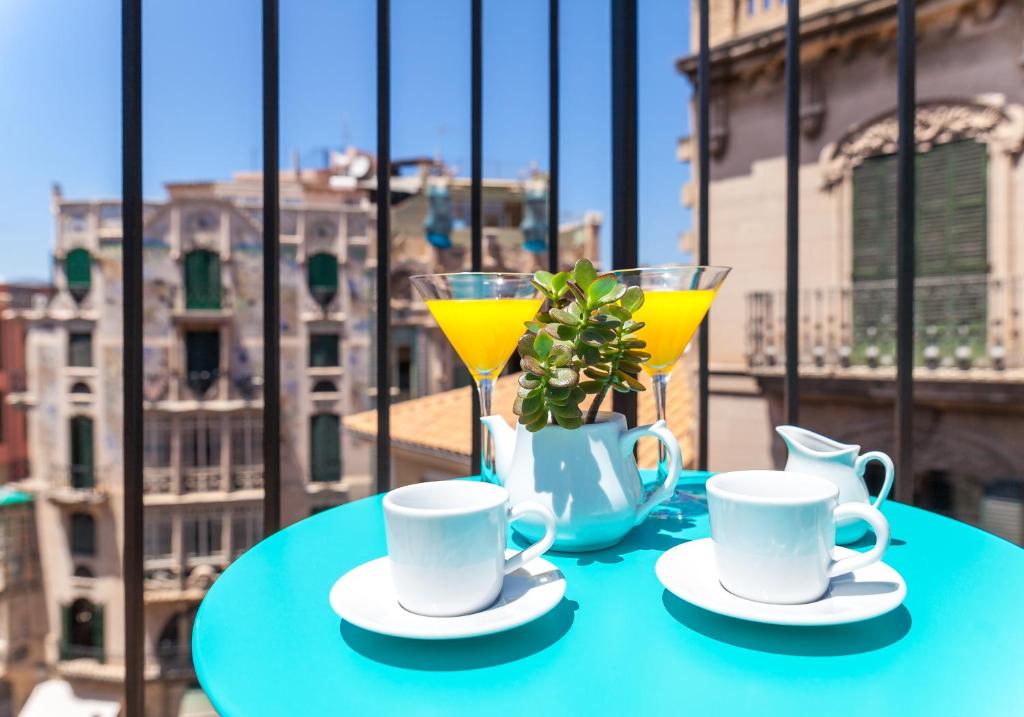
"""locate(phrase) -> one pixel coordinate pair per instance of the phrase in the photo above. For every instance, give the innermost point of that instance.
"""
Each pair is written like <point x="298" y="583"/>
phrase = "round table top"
<point x="266" y="641"/>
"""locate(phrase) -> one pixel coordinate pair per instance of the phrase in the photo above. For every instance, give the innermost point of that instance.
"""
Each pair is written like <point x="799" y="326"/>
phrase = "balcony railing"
<point x="76" y="482"/>
<point x="202" y="386"/>
<point x="206" y="479"/>
<point x="960" y="323"/>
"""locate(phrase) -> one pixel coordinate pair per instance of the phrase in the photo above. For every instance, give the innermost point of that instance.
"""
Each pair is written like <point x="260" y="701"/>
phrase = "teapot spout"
<point x="504" y="438"/>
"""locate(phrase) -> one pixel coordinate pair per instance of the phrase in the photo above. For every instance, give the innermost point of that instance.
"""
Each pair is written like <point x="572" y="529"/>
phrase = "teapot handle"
<point x="675" y="463"/>
<point x="861" y="465"/>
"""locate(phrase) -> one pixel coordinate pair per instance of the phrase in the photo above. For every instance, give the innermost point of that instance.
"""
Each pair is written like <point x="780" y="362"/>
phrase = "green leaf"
<point x="533" y="365"/>
<point x="600" y="287"/>
<point x="584" y="273"/>
<point x="558" y="393"/>
<point x="560" y="283"/>
<point x="528" y="382"/>
<point x="578" y="395"/>
<point x="544" y="278"/>
<point x="632" y="326"/>
<point x="540" y="422"/>
<point x="591" y="337"/>
<point x="629" y="367"/>
<point x="591" y="386"/>
<point x="532" y="404"/>
<point x="560" y="332"/>
<point x="525" y="346"/>
<point x="596" y="372"/>
<point x="564" y="317"/>
<point x="628" y="380"/>
<point x="561" y="354"/>
<point x="542" y="344"/>
<point x="570" y="423"/>
<point x="533" y="326"/>
<point x="567" y="411"/>
<point x="527" y="392"/>
<point x="635" y="355"/>
<point x="618" y="312"/>
<point x="563" y="378"/>
<point x="633" y="299"/>
<point x="614" y="295"/>
<point x="517" y="406"/>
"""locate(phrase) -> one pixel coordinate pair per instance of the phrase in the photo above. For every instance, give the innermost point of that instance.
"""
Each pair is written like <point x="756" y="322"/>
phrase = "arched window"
<point x="82" y="475"/>
<point x="83" y="631"/>
<point x="202" y="280"/>
<point x="325" y="448"/>
<point x="322" y="274"/>
<point x="78" y="271"/>
<point x="80" y="387"/>
<point x="83" y="534"/>
<point x="324" y="387"/>
<point x="83" y="571"/>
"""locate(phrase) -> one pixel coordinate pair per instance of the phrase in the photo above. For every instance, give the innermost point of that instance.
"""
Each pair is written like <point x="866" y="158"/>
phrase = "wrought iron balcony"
<point x="960" y="323"/>
<point x="202" y="479"/>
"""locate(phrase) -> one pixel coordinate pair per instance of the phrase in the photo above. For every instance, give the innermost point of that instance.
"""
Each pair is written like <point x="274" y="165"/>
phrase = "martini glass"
<point x="676" y="300"/>
<point x="482" y="314"/>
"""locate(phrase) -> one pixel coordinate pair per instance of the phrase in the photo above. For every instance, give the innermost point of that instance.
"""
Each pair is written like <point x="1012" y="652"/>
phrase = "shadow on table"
<point x="868" y="541"/>
<point x="465" y="654"/>
<point x="832" y="640"/>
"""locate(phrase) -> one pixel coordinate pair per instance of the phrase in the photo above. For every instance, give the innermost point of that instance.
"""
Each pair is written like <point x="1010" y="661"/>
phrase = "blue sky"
<point x="60" y="90"/>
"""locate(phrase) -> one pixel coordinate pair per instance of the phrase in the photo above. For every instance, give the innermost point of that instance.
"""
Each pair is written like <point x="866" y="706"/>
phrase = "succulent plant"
<point x="583" y="341"/>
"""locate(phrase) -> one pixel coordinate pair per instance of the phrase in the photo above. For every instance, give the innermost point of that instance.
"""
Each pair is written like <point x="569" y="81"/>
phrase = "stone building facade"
<point x="203" y="389"/>
<point x="970" y="239"/>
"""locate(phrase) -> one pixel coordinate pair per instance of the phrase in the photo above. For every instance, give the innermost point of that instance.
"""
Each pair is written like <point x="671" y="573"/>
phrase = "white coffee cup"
<point x="446" y="542"/>
<point x="774" y="533"/>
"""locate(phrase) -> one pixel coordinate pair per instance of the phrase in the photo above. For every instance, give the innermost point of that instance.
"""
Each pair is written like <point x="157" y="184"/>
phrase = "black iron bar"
<point x="703" y="245"/>
<point x="792" y="382"/>
<point x="271" y="277"/>
<point x="905" y="272"/>
<point x="131" y="207"/>
<point x="383" y="353"/>
<point x="625" y="252"/>
<point x="553" y="139"/>
<point x="476" y="184"/>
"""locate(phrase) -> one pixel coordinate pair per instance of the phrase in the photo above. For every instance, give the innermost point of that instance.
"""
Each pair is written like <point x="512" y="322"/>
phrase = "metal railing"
<point x="624" y="245"/>
<point x="964" y="323"/>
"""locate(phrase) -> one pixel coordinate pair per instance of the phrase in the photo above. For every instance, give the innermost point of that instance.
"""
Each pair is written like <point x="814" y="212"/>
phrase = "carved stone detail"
<point x="985" y="119"/>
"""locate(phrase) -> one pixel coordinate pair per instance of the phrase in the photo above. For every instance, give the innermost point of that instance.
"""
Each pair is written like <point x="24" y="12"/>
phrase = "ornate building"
<point x="203" y="310"/>
<point x="970" y="238"/>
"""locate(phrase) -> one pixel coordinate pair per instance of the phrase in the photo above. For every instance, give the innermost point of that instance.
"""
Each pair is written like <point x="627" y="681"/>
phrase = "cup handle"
<point x="877" y="522"/>
<point x="540" y="547"/>
<point x="658" y="429"/>
<point x="861" y="465"/>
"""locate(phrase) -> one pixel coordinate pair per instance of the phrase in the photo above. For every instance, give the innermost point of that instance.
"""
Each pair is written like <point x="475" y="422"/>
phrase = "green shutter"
<point x="323" y="277"/>
<point x="874" y="219"/>
<point x="202" y="280"/>
<point x="81" y="452"/>
<point x="323" y="350"/>
<point x="78" y="271"/>
<point x="97" y="633"/>
<point x="325" y="448"/>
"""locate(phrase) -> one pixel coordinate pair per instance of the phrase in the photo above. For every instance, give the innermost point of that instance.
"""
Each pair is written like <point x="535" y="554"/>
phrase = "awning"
<point x="55" y="697"/>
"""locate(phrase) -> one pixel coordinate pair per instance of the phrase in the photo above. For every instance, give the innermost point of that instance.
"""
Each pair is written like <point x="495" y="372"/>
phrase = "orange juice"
<point x="483" y="332"/>
<point x="670" y="320"/>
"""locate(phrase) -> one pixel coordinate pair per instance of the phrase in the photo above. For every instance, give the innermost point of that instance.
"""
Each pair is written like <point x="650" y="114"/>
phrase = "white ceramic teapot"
<point x="843" y="465"/>
<point x="586" y="476"/>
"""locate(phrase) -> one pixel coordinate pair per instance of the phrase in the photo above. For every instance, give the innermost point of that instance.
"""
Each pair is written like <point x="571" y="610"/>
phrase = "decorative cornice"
<point x="985" y="119"/>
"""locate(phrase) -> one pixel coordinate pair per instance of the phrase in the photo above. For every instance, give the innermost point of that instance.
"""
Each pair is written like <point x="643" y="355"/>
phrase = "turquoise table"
<point x="267" y="643"/>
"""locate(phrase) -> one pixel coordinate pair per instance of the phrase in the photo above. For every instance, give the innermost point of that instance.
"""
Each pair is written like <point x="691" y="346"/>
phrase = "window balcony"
<point x="76" y="484"/>
<point x="166" y="481"/>
<point x="206" y="390"/>
<point x="966" y="327"/>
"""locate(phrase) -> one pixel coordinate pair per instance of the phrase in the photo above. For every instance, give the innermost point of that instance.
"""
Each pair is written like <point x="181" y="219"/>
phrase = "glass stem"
<point x="660" y="383"/>
<point x="488" y="472"/>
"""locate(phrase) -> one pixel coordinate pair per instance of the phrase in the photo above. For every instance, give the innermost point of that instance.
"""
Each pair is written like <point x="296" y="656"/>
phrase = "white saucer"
<point x="365" y="597"/>
<point x="688" y="572"/>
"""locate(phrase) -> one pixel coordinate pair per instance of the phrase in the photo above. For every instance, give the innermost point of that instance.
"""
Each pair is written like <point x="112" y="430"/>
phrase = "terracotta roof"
<point x="439" y="422"/>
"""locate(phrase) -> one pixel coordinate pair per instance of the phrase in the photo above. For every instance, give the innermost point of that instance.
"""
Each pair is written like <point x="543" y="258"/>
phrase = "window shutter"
<point x="81" y="452"/>
<point x="874" y="219"/>
<point x="322" y="274"/>
<point x="78" y="271"/>
<point x="79" y="349"/>
<point x="325" y="449"/>
<point x="97" y="633"/>
<point x="323" y="350"/>
<point x="202" y="280"/>
<point x="968" y="169"/>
